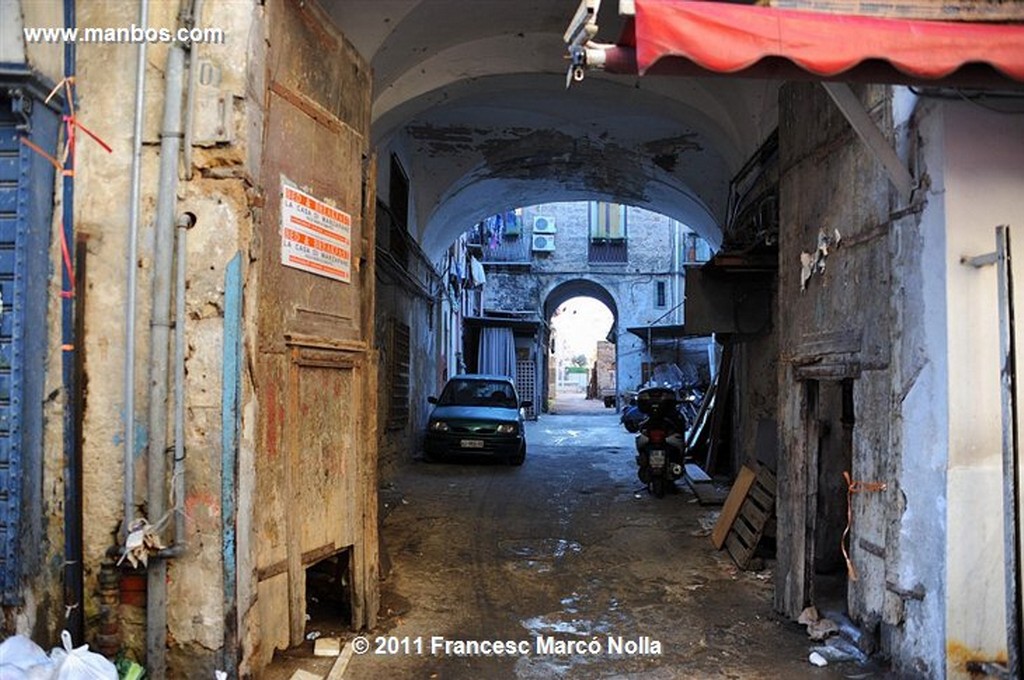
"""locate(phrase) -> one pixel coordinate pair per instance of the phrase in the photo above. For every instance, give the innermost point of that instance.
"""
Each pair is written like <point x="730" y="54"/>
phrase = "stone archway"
<point x="557" y="293"/>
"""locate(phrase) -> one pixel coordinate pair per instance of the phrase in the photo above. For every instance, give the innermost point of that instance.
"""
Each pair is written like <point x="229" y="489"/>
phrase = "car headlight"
<point x="506" y="428"/>
<point x="438" y="426"/>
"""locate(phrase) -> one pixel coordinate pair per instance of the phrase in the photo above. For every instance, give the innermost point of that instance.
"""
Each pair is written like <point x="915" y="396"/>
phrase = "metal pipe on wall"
<point x="229" y="455"/>
<point x="132" y="283"/>
<point x="185" y="222"/>
<point x="1011" y="455"/>
<point x="163" y="261"/>
<point x="73" y="587"/>
<point x="190" y="101"/>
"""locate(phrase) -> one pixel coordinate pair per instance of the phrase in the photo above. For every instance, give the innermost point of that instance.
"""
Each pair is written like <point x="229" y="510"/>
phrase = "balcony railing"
<point x="607" y="251"/>
<point x="507" y="250"/>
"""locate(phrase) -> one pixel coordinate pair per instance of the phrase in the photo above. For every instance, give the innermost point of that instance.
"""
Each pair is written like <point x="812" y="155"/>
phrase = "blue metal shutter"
<point x="12" y="224"/>
<point x="26" y="208"/>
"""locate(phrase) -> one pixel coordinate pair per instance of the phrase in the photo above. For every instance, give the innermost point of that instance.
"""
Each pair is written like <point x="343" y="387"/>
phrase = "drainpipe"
<point x="676" y="265"/>
<point x="132" y="285"/>
<point x="185" y="222"/>
<point x="190" y="97"/>
<point x="229" y="456"/>
<point x="73" y="588"/>
<point x="163" y="261"/>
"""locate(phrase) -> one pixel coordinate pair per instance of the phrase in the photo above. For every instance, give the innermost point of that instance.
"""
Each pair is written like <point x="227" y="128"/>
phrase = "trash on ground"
<point x="305" y="675"/>
<point x="839" y="649"/>
<point x="78" y="663"/>
<point x="328" y="646"/>
<point x="142" y="541"/>
<point x="18" y="653"/>
<point x="822" y="629"/>
<point x="818" y="628"/>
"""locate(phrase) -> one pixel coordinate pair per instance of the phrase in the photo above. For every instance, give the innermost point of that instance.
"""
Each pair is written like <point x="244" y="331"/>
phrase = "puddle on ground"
<point x="538" y="555"/>
<point x="560" y="437"/>
<point x="541" y="626"/>
<point x="530" y="668"/>
<point x="535" y="566"/>
<point x="541" y="548"/>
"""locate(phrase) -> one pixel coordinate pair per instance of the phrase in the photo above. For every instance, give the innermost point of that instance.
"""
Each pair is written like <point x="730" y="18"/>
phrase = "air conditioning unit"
<point x="543" y="225"/>
<point x="543" y="243"/>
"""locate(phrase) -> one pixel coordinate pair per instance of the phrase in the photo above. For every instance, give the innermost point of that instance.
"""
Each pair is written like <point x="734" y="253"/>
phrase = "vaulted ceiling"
<point x="471" y="95"/>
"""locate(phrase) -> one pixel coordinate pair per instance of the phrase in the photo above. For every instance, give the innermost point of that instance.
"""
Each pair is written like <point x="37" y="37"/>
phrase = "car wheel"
<point x="518" y="458"/>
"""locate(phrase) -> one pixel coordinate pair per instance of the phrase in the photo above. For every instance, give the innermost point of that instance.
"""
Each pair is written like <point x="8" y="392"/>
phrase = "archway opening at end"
<point x="581" y="363"/>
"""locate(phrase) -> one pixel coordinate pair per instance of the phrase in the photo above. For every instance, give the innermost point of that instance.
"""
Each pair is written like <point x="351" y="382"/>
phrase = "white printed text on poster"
<point x="315" y="237"/>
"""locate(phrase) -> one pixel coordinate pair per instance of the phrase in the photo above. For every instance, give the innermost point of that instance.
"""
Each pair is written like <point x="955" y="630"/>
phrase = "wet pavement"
<point x="566" y="568"/>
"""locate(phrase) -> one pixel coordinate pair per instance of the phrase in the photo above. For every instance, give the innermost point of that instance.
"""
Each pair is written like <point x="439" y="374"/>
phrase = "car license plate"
<point x="657" y="458"/>
<point x="472" y="443"/>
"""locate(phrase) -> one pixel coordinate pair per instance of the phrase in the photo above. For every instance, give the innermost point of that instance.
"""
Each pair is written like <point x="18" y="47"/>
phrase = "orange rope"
<point x="66" y="168"/>
<point x="39" y="150"/>
<point x="67" y="264"/>
<point x="853" y="487"/>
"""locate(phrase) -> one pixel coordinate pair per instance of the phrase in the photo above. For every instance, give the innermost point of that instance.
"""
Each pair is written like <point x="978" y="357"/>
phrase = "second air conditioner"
<point x="544" y="243"/>
<point x="543" y="225"/>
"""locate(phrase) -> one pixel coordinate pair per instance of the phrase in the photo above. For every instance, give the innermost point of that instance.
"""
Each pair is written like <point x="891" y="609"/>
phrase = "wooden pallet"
<point x="747" y="512"/>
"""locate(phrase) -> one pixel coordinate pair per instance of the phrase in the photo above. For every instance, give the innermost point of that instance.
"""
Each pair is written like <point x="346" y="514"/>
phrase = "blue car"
<point x="479" y="415"/>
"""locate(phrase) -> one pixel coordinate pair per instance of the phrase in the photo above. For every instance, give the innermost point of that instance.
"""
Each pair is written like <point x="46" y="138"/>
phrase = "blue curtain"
<point x="497" y="353"/>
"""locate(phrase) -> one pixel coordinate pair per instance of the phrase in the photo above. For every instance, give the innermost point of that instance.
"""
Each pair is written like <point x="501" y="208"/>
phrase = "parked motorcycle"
<point x="661" y="441"/>
<point x="631" y="416"/>
<point x="690" y="399"/>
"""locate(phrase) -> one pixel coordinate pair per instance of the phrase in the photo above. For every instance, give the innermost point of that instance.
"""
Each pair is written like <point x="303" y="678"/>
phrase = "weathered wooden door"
<point x="315" y="367"/>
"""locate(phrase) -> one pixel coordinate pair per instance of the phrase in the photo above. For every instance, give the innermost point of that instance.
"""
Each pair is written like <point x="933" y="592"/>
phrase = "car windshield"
<point x="478" y="393"/>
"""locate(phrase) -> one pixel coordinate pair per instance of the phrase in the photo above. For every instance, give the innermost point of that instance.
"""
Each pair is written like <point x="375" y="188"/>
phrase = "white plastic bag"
<point x="22" y="659"/>
<point x="78" y="663"/>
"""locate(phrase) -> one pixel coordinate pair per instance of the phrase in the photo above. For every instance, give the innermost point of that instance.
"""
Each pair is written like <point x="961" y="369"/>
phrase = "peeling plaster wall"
<point x="472" y="159"/>
<point x="913" y="629"/>
<point x="396" y="300"/>
<point x="220" y="196"/>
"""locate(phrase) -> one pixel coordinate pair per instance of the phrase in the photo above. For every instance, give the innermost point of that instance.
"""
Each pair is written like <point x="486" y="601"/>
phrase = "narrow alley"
<point x="260" y="259"/>
<point x="569" y="547"/>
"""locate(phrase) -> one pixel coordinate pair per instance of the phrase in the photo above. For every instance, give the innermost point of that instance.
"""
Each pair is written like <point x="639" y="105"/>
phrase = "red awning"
<point x="688" y="37"/>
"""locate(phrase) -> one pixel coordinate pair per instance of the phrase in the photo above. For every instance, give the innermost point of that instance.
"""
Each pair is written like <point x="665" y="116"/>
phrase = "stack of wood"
<point x="705" y="434"/>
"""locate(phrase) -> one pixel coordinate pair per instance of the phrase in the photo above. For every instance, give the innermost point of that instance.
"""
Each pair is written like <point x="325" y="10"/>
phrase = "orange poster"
<point x="315" y="237"/>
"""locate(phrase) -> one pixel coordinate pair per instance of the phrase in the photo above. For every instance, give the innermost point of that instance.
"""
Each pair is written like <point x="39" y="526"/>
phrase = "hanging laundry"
<point x="477" y="278"/>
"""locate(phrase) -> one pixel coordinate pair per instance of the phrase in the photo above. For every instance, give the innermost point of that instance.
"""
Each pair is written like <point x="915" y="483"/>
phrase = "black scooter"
<point x="661" y="441"/>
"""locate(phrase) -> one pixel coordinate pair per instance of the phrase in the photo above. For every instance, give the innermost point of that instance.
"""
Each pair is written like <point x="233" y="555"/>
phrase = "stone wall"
<point x="629" y="288"/>
<point x="221" y="195"/>
<point x="403" y="296"/>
